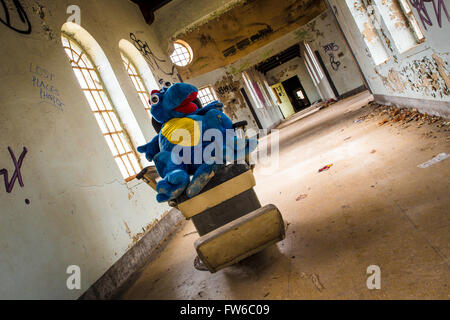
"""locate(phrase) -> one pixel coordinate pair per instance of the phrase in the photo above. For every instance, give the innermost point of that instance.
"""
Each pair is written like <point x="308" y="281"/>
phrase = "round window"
<point x="182" y="53"/>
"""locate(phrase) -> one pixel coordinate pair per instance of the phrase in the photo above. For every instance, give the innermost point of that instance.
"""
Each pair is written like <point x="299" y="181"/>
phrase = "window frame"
<point x="138" y="83"/>
<point x="413" y="23"/>
<point x="174" y="54"/>
<point x="119" y="141"/>
<point x="212" y="93"/>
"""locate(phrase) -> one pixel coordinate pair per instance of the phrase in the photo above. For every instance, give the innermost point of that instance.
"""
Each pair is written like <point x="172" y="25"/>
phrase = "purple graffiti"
<point x="438" y="6"/>
<point x="9" y="185"/>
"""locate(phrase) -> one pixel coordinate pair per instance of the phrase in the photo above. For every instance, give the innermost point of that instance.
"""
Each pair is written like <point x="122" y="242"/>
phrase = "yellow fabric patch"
<point x="182" y="131"/>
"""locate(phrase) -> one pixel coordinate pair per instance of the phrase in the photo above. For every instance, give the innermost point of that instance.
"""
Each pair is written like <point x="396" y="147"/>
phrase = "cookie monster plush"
<point x="186" y="145"/>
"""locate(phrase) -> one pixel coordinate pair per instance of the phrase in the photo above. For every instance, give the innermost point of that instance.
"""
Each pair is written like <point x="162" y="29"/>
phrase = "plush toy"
<point x="185" y="146"/>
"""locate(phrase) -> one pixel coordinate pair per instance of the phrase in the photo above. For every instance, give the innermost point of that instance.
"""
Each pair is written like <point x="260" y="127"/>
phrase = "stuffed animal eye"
<point x="167" y="84"/>
<point x="154" y="99"/>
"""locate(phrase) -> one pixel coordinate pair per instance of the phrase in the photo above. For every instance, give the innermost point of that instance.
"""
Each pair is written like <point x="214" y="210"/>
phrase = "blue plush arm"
<point x="215" y="105"/>
<point x="150" y="149"/>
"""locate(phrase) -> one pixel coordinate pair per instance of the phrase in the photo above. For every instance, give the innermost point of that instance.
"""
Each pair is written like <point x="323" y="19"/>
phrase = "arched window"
<point x="138" y="83"/>
<point x="182" y="54"/>
<point x="101" y="106"/>
<point x="140" y="74"/>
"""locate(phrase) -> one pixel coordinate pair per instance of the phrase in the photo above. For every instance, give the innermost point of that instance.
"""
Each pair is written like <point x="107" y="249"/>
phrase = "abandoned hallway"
<point x="374" y="206"/>
<point x="351" y="98"/>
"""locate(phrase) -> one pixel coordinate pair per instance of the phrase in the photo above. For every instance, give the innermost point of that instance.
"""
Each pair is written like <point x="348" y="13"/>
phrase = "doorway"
<point x="296" y="93"/>
<point x="283" y="100"/>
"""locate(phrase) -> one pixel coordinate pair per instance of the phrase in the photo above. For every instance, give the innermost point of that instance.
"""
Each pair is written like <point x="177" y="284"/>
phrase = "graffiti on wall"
<point x="330" y="49"/>
<point x="24" y="26"/>
<point x="228" y="88"/>
<point x="439" y="8"/>
<point x="48" y="93"/>
<point x="241" y="45"/>
<point x="148" y="54"/>
<point x="9" y="184"/>
<point x="228" y="93"/>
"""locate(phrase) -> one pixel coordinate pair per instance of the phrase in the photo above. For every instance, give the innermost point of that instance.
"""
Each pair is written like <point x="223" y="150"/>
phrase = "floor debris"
<point x="438" y="158"/>
<point x="404" y="116"/>
<point x="328" y="166"/>
<point x="315" y="280"/>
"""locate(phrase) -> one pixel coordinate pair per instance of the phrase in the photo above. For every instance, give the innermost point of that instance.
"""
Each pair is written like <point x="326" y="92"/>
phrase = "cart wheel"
<point x="198" y="264"/>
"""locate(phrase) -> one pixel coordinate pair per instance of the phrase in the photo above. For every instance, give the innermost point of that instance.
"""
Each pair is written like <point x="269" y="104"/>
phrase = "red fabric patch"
<point x="187" y="106"/>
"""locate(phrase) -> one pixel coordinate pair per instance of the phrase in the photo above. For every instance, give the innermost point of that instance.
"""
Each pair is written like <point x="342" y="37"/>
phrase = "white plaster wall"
<point x="327" y="39"/>
<point x="81" y="212"/>
<point x="421" y="72"/>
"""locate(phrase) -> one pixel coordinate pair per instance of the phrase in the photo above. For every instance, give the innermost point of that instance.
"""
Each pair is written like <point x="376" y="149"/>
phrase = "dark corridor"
<point x="296" y="93"/>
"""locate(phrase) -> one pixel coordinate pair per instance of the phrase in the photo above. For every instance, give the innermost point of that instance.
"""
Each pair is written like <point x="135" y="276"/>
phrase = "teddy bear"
<point x="192" y="141"/>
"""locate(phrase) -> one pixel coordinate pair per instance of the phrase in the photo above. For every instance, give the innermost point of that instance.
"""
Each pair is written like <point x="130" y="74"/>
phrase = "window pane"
<point x="115" y="121"/>
<point x="124" y="141"/>
<point x="80" y="79"/>
<point x="118" y="143"/>
<point x="111" y="145"/>
<point x="135" y="163"/>
<point x="108" y="122"/>
<point x="99" y="101"/>
<point x="122" y="167"/>
<point x="105" y="100"/>
<point x="101" y="123"/>
<point x="128" y="165"/>
<point x="90" y="100"/>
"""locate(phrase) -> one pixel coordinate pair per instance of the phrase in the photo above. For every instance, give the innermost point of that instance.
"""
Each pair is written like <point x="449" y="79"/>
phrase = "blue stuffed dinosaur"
<point x="176" y="155"/>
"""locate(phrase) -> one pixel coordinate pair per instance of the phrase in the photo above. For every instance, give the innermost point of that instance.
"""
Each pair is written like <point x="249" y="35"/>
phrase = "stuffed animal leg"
<point x="201" y="177"/>
<point x="175" y="178"/>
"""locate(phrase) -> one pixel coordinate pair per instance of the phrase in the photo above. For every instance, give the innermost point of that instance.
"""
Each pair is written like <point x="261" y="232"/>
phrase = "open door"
<point x="283" y="100"/>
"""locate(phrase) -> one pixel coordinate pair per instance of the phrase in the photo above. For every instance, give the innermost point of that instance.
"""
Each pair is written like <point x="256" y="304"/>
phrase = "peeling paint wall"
<point x="422" y="72"/>
<point x="231" y="35"/>
<point x="178" y="15"/>
<point x="74" y="207"/>
<point x="321" y="34"/>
